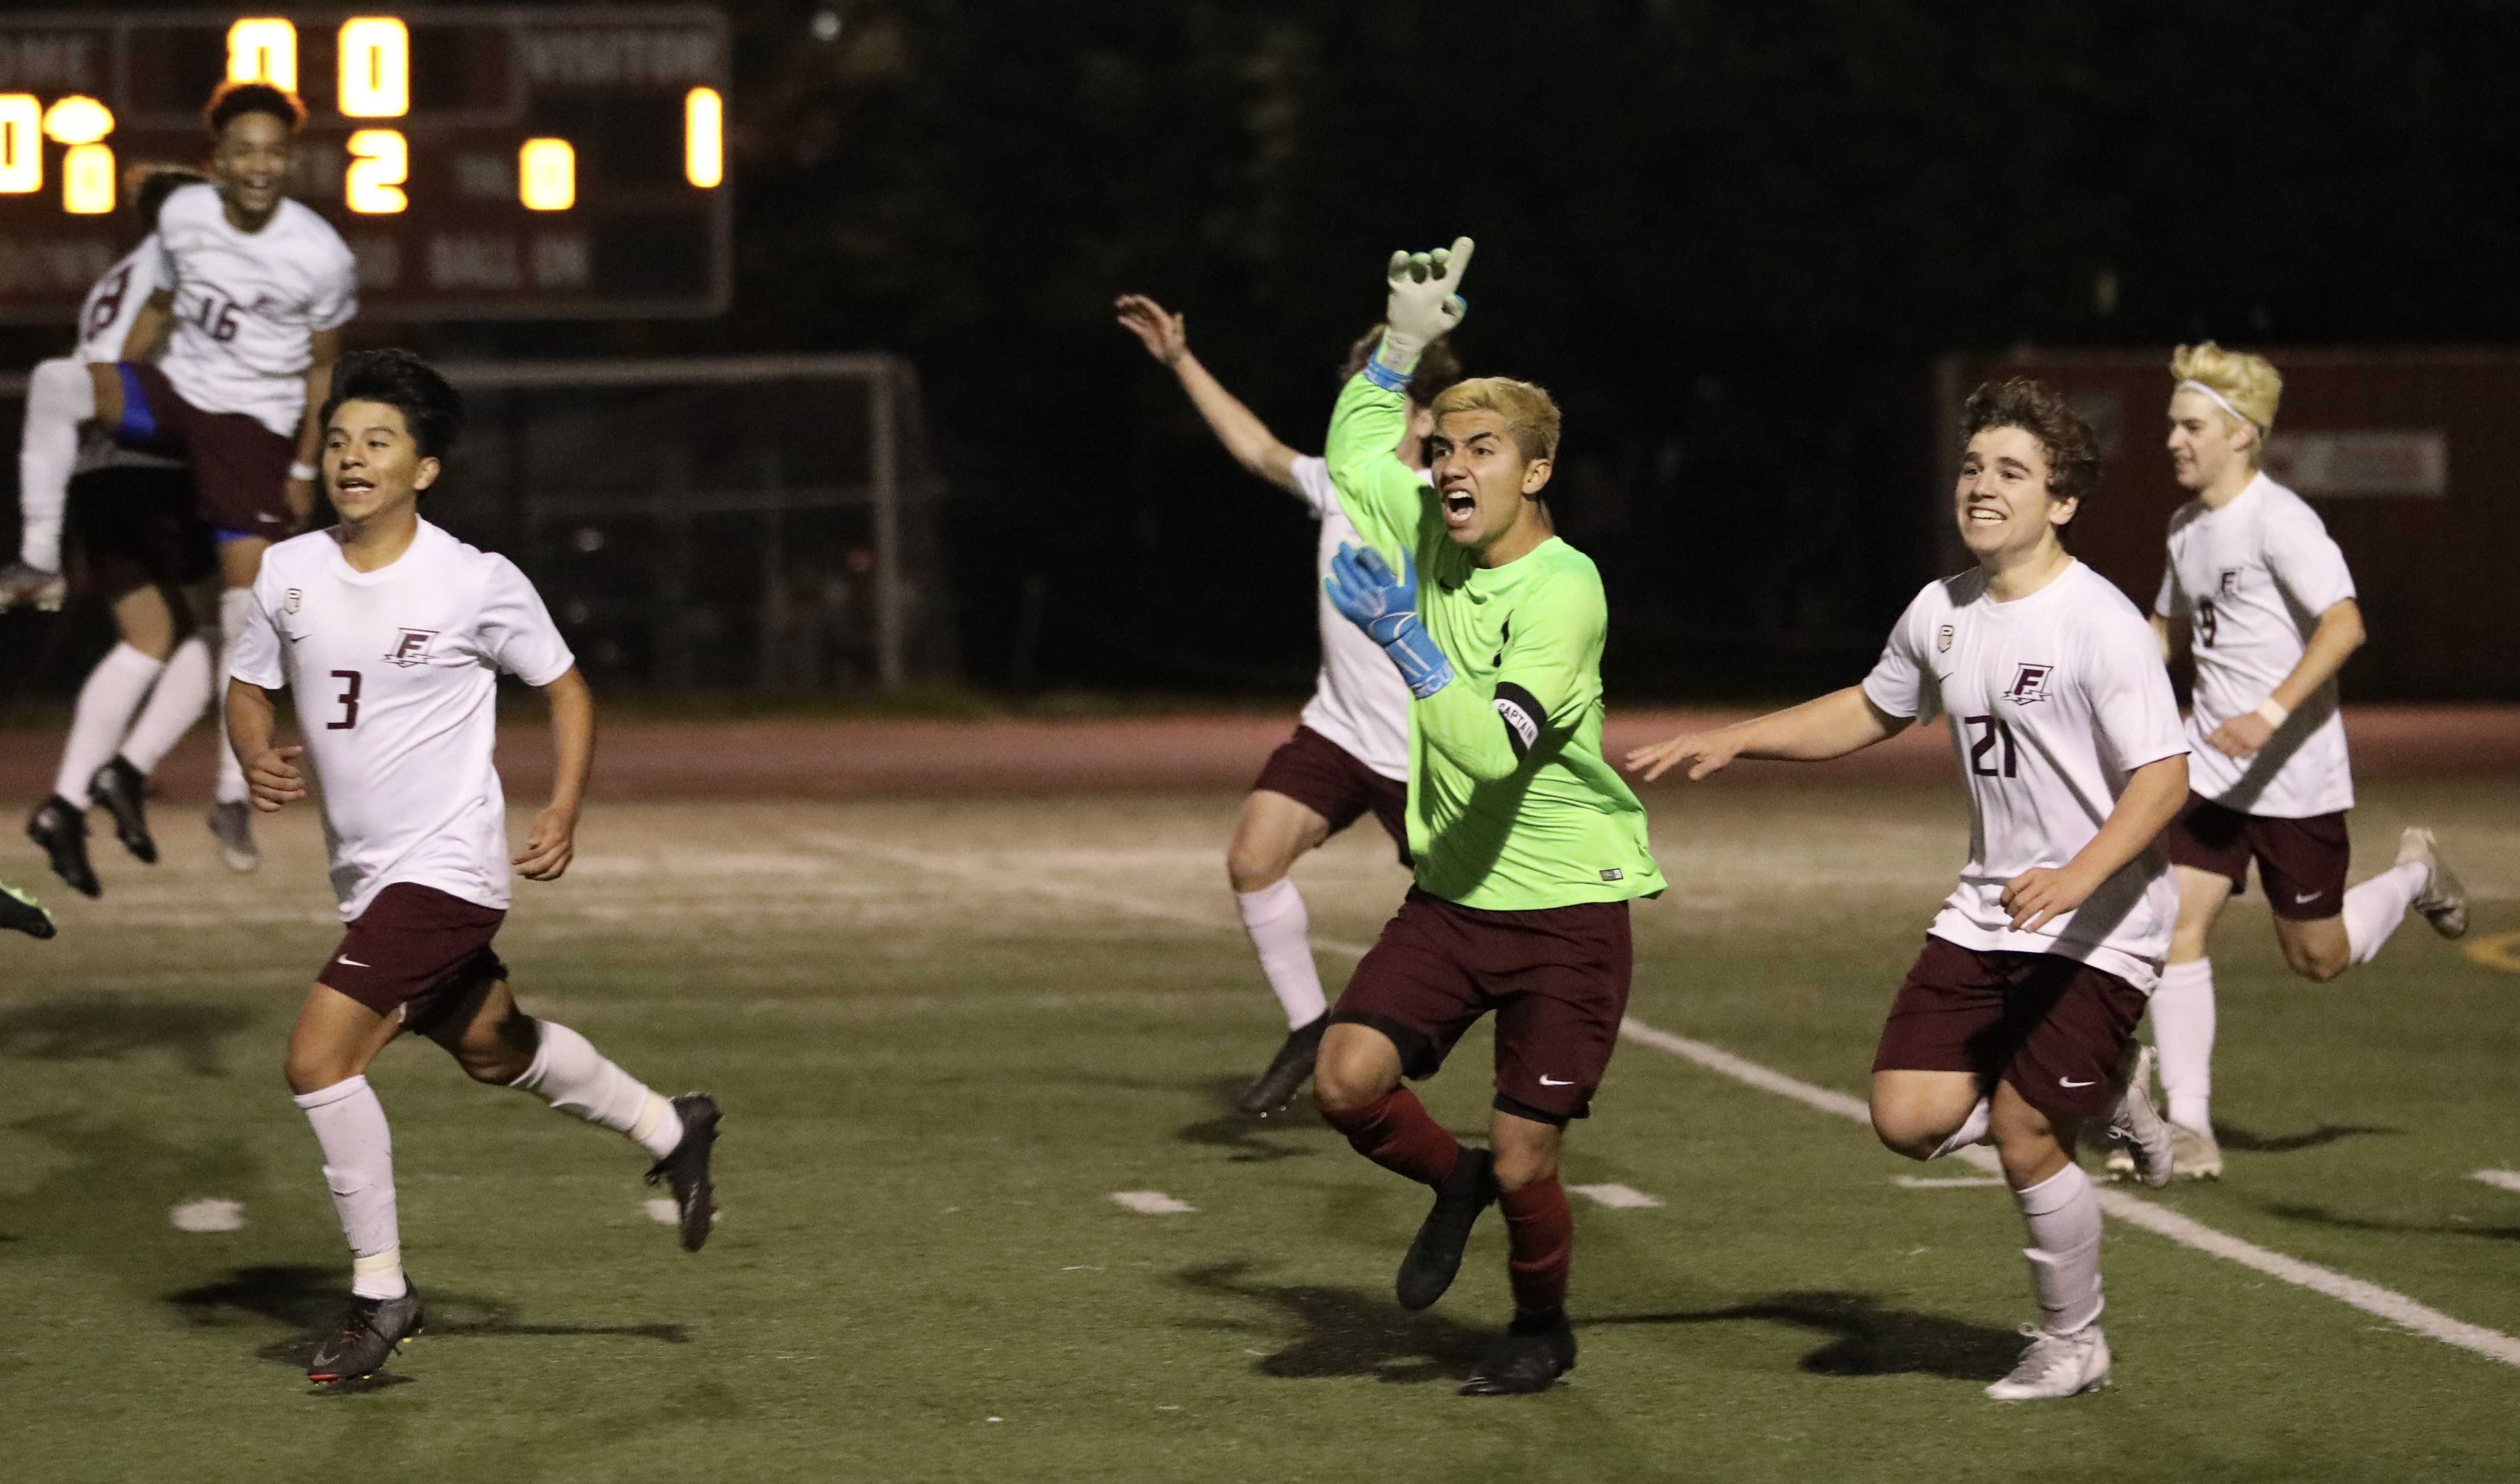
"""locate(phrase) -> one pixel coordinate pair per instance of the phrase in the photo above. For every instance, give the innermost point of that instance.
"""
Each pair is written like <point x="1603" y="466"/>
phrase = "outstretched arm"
<point x="552" y="842"/>
<point x="1832" y="726"/>
<point x="1166" y="337"/>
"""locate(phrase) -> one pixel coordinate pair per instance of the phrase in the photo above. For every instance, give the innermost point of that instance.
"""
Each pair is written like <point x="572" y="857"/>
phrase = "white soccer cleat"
<point x="24" y="586"/>
<point x="2194" y="1153"/>
<point x="2056" y="1366"/>
<point x="2137" y="1127"/>
<point x="2443" y="899"/>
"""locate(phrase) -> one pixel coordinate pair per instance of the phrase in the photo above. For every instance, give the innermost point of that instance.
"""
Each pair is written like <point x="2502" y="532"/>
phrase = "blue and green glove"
<point x="1422" y="307"/>
<point x="1362" y="586"/>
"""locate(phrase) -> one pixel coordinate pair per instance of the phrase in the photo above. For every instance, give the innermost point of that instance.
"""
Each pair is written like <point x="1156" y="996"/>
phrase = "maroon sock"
<point x="1398" y="1134"/>
<point x="1539" y="1243"/>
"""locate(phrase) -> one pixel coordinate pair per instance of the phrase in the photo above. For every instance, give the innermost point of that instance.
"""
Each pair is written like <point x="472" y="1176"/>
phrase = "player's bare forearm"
<point x="1236" y="425"/>
<point x="147" y="332"/>
<point x="572" y="717"/>
<point x="250" y="715"/>
<point x="1830" y="726"/>
<point x="2338" y="635"/>
<point x="271" y="774"/>
<point x="2152" y="798"/>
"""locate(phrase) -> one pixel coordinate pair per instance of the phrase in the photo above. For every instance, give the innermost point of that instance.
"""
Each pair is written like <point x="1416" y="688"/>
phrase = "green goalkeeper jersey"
<point x="1511" y="806"/>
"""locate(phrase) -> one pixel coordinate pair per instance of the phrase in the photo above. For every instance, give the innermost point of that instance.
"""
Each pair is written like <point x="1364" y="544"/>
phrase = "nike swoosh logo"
<point x="2070" y="1082"/>
<point x="355" y="964"/>
<point x="1548" y="1081"/>
<point x="2307" y="896"/>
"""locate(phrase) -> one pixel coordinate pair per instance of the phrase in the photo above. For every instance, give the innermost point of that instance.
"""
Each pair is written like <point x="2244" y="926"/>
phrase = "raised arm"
<point x="1832" y="726"/>
<point x="1166" y="337"/>
<point x="323" y="352"/>
<point x="552" y="842"/>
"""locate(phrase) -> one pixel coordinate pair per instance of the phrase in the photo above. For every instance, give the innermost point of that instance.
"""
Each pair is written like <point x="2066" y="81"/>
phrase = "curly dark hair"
<point x="234" y="99"/>
<point x="1437" y="367"/>
<point x="430" y="406"/>
<point x="149" y="185"/>
<point x="2073" y="450"/>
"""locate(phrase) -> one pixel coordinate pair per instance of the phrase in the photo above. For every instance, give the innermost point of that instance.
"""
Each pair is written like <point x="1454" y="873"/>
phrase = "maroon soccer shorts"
<point x="239" y="467"/>
<point x="2301" y="862"/>
<point x="1555" y="978"/>
<point x="2056" y="1029"/>
<point x="416" y="952"/>
<point x="137" y="527"/>
<point x="1327" y="779"/>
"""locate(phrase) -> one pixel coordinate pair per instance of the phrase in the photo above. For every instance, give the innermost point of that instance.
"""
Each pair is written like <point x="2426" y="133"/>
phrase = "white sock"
<point x="113" y="690"/>
<point x="183" y="693"/>
<point x="2374" y="909"/>
<point x="358" y="1164"/>
<point x="572" y="1076"/>
<point x="2182" y="1033"/>
<point x="60" y="397"/>
<point x="234" y="604"/>
<point x="1281" y="932"/>
<point x="1972" y="1130"/>
<point x="2063" y="1216"/>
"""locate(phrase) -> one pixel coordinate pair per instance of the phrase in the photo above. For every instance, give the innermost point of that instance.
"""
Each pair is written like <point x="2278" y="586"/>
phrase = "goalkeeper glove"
<point x="1422" y="308"/>
<point x="1363" y="589"/>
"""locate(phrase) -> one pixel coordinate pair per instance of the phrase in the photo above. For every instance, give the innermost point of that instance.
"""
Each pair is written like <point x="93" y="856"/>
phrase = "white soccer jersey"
<point x="1359" y="701"/>
<point x="2251" y="579"/>
<point x="246" y="301"/>
<point x="2053" y="699"/>
<point x="106" y="314"/>
<point x="104" y="324"/>
<point x="396" y="675"/>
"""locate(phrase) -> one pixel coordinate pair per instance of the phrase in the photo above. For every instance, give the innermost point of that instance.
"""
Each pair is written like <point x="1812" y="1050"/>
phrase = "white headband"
<point x="2219" y="401"/>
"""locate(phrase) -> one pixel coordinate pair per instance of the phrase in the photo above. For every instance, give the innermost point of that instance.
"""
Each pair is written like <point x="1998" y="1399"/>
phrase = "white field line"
<point x="1618" y="1198"/>
<point x="2388" y="1304"/>
<point x="1954" y="1183"/>
<point x="2397" y="1308"/>
<point x="2500" y="1179"/>
<point x="1152" y="1203"/>
<point x="211" y="1215"/>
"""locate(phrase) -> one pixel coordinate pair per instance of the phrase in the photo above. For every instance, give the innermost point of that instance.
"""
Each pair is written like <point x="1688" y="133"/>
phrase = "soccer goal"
<point x="748" y="522"/>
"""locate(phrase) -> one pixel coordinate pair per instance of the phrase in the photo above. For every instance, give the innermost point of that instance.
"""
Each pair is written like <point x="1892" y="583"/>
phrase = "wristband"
<point x="303" y="471"/>
<point x="2272" y="713"/>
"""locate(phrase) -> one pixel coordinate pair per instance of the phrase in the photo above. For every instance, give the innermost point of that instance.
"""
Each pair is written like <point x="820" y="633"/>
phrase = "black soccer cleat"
<point x="1436" y="1257"/>
<point x="124" y="791"/>
<point x="1270" y="1091"/>
<point x="61" y="827"/>
<point x="20" y="912"/>
<point x="365" y="1337"/>
<point x="1530" y="1358"/>
<point x="686" y="1171"/>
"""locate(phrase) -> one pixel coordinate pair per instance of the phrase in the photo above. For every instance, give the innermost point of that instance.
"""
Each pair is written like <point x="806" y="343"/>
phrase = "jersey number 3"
<point x="1989" y="735"/>
<point x="349" y="699"/>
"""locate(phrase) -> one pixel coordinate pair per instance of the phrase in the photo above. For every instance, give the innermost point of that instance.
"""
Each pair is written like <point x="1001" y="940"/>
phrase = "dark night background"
<point x="1730" y="238"/>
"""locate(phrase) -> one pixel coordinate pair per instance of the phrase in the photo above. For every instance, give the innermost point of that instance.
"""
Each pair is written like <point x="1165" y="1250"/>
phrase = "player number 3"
<point x="349" y="699"/>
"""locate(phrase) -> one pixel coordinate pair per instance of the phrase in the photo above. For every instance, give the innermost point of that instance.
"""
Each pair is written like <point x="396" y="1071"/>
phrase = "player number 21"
<point x="349" y="699"/>
<point x="1990" y="735"/>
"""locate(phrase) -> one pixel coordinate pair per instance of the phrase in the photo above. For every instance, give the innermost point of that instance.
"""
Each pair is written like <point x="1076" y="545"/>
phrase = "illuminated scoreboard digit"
<point x="558" y="163"/>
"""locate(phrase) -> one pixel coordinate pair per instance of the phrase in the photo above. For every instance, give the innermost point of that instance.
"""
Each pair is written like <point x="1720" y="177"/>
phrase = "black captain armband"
<point x="1522" y="712"/>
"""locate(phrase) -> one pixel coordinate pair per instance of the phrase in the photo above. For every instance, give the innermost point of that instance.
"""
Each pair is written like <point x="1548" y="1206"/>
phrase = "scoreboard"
<point x="506" y="163"/>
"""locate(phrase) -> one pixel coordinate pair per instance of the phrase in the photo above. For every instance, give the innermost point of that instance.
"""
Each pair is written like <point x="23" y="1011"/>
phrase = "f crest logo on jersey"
<point x="1943" y="640"/>
<point x="2229" y="585"/>
<point x="289" y="603"/>
<point x="411" y="649"/>
<point x="2029" y="684"/>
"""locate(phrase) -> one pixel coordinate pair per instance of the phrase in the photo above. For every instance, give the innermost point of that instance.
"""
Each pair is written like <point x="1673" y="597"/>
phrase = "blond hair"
<point x="1530" y="414"/>
<point x="2241" y="383"/>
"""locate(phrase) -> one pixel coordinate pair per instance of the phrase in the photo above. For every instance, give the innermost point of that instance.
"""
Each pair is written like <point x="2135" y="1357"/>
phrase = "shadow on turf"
<point x="305" y="1298"/>
<point x="2323" y="1217"/>
<point x="1343" y="1332"/>
<point x="2231" y="1136"/>
<point x="109" y="1027"/>
<point x="1871" y="1340"/>
<point x="1239" y="1131"/>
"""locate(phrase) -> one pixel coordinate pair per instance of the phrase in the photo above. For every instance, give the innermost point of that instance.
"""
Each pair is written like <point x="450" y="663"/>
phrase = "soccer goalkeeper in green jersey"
<point x="1528" y="847"/>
